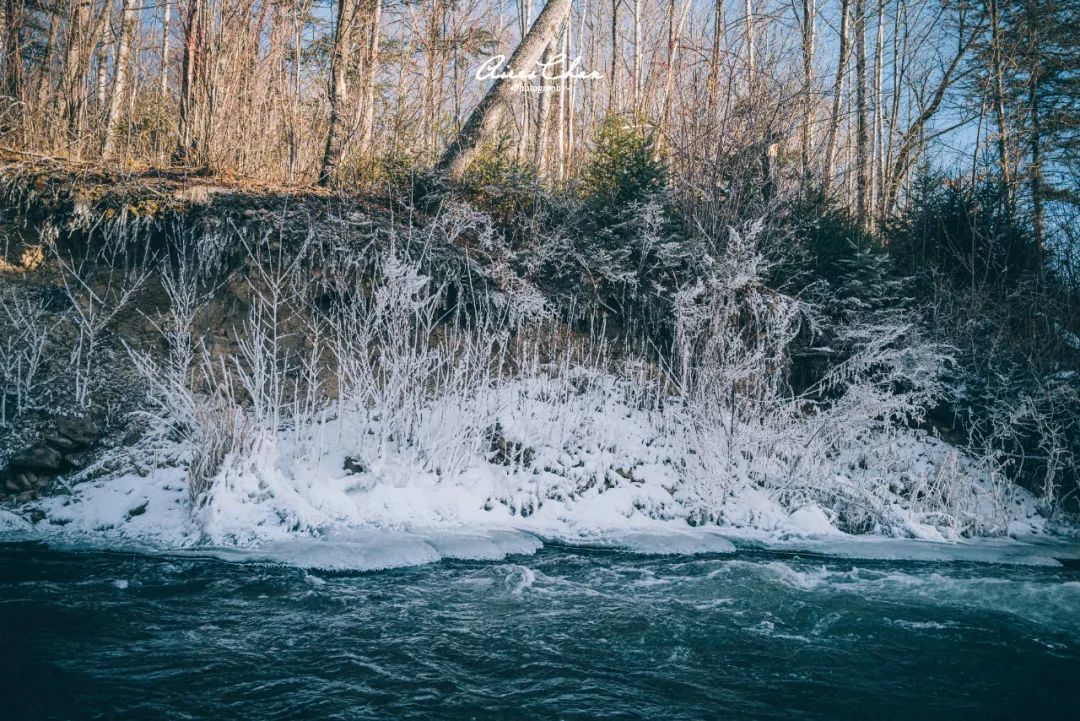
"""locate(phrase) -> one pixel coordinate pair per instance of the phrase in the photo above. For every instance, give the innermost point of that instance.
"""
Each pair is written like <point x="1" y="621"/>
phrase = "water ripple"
<point x="570" y="635"/>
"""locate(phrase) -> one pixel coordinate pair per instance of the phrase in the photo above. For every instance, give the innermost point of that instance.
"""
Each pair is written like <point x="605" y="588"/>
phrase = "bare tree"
<point x="912" y="138"/>
<point x="371" y="69"/>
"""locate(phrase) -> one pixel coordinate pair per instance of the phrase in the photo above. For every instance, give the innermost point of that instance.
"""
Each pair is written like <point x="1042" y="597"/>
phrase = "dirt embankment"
<point x="86" y="257"/>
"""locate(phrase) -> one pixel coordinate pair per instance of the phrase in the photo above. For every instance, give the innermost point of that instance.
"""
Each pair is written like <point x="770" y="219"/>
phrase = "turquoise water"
<point x="568" y="633"/>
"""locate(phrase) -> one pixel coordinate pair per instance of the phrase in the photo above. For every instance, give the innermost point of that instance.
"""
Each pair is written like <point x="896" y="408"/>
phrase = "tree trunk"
<point x="101" y="79"/>
<point x="638" y="51"/>
<point x="163" y="80"/>
<point x="713" y="78"/>
<point x="862" y="134"/>
<point x="560" y="169"/>
<point x="999" y="103"/>
<point x="486" y="116"/>
<point x="1036" y="171"/>
<point x="748" y="38"/>
<point x="371" y="69"/>
<point x="338" y="92"/>
<point x="69" y="84"/>
<point x="613" y="88"/>
<point x="120" y="72"/>
<point x="543" y="120"/>
<point x="675" y="29"/>
<point x="191" y="83"/>
<point x="838" y="94"/>
<point x="11" y="55"/>
<point x="84" y="32"/>
<point x="524" y="18"/>
<point x="12" y="48"/>
<point x="809" y="17"/>
<point x="877" y="141"/>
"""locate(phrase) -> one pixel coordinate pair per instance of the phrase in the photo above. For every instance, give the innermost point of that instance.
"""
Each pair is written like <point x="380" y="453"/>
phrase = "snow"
<point x="616" y="482"/>
<point x="104" y="507"/>
<point x="11" y="523"/>
<point x="811" y="519"/>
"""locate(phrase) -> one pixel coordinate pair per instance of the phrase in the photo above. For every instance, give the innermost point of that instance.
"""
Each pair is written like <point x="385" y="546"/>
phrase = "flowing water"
<point x="568" y="633"/>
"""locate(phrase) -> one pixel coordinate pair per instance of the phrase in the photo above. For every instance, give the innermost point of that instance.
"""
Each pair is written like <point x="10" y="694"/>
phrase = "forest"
<point x="815" y="259"/>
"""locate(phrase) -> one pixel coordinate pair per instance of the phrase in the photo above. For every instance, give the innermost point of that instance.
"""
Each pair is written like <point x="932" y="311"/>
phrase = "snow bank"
<point x="617" y="478"/>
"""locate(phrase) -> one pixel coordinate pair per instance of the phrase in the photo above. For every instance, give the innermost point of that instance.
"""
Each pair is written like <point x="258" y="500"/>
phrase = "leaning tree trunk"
<point x="486" y="116"/>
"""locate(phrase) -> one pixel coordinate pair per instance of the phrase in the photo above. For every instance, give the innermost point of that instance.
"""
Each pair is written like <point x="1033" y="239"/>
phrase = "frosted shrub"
<point x="98" y="287"/>
<point x="385" y="380"/>
<point x="731" y="340"/>
<point x="22" y="349"/>
<point x="192" y="395"/>
<point x="733" y="336"/>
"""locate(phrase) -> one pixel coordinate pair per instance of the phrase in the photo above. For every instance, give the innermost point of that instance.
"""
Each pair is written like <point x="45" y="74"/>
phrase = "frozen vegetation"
<point x="387" y="426"/>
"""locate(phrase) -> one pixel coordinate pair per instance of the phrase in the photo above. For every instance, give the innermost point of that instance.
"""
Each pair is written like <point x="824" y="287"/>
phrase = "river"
<point x="567" y="633"/>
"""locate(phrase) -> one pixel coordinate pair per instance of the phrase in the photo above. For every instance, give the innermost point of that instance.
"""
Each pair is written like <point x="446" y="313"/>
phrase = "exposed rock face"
<point x="82" y="432"/>
<point x="43" y="458"/>
<point x="507" y="451"/>
<point x="31" y="471"/>
<point x="137" y="510"/>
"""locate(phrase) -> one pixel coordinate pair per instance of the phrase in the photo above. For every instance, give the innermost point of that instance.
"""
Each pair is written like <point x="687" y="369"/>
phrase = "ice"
<point x="666" y="543"/>
<point x="493" y="545"/>
<point x="466" y="546"/>
<point x="376" y="549"/>
<point x="1002" y="551"/>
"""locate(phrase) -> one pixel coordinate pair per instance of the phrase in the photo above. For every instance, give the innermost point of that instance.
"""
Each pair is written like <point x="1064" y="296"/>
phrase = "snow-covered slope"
<point x="579" y="467"/>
